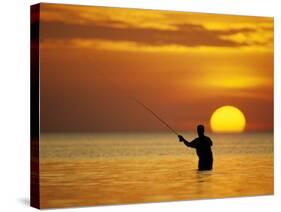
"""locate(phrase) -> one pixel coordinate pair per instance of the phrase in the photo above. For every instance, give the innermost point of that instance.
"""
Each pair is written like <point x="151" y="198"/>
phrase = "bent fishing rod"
<point x="155" y="115"/>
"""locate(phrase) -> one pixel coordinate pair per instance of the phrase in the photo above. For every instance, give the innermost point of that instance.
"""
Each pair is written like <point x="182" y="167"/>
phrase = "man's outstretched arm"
<point x="188" y="144"/>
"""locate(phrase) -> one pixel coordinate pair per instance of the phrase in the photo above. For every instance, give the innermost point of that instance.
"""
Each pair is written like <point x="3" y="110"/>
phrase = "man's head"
<point x="200" y="130"/>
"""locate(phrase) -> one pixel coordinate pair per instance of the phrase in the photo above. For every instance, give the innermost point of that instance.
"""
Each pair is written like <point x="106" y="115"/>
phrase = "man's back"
<point x="202" y="144"/>
<point x="204" y="152"/>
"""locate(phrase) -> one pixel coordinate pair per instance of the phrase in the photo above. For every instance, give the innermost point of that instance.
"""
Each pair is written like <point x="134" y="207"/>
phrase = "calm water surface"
<point x="115" y="168"/>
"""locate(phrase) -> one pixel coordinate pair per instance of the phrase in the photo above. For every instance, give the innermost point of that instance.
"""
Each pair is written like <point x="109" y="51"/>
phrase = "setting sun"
<point x="228" y="119"/>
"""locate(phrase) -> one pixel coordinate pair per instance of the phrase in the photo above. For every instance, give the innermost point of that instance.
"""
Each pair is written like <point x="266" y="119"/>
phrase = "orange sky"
<point x="182" y="65"/>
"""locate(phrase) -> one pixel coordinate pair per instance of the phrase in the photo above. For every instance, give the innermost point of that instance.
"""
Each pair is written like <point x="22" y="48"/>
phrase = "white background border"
<point x="14" y="105"/>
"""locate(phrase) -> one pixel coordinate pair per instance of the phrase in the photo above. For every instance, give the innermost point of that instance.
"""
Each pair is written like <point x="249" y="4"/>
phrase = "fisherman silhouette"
<point x="202" y="144"/>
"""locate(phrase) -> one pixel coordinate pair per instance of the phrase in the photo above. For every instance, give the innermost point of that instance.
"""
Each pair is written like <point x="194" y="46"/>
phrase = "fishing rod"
<point x="155" y="115"/>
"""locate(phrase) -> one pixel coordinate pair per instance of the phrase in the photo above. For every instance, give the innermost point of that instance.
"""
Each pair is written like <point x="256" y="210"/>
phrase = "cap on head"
<point x="200" y="129"/>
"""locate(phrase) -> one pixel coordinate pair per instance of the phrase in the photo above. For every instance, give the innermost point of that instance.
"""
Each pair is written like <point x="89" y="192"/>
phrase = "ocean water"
<point x="118" y="168"/>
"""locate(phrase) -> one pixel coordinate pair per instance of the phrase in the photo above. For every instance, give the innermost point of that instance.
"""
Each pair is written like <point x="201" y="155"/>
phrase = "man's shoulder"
<point x="207" y="138"/>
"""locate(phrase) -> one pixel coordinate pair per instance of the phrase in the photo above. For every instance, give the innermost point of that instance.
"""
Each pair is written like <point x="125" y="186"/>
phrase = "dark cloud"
<point x="185" y="34"/>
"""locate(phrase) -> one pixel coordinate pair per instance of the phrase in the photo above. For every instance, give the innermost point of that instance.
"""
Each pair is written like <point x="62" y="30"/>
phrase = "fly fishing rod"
<point x="155" y="115"/>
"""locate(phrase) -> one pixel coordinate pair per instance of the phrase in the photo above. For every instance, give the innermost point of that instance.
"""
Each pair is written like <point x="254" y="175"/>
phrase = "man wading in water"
<point x="202" y="144"/>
